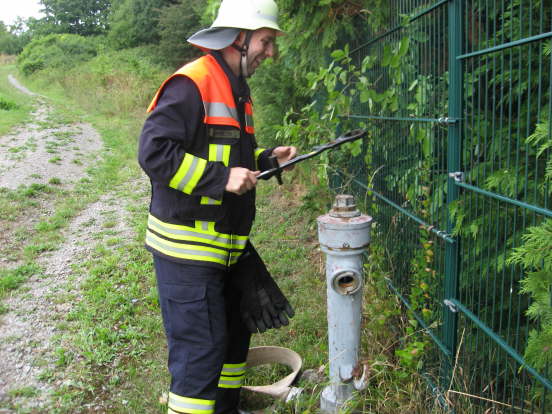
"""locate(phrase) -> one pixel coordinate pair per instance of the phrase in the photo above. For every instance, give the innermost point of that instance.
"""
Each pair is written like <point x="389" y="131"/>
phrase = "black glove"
<point x="263" y="305"/>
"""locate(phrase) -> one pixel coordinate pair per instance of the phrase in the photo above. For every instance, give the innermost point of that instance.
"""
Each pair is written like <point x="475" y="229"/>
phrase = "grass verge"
<point x="15" y="106"/>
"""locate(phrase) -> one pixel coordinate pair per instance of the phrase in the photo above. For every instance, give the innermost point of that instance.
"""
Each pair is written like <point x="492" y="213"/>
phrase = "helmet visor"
<point x="214" y="38"/>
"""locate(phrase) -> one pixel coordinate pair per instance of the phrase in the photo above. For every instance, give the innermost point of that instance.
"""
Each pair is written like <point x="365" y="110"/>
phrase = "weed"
<point x="7" y="105"/>
<point x="34" y="190"/>
<point x="33" y="250"/>
<point x="54" y="181"/>
<point x="55" y="160"/>
<point x="12" y="278"/>
<point x="24" y="392"/>
<point x="47" y="375"/>
<point x="63" y="357"/>
<point x="16" y="149"/>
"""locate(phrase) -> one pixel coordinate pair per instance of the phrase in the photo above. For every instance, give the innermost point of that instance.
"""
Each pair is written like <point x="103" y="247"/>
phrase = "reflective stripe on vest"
<point x="178" y="404"/>
<point x="249" y="125"/>
<point x="216" y="93"/>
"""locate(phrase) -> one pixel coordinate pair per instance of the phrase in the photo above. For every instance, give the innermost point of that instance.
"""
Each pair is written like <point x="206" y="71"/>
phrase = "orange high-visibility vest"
<point x="216" y="93"/>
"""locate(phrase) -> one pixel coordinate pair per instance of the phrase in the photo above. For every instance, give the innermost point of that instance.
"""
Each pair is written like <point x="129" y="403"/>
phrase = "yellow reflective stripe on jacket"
<point x="180" y="404"/>
<point x="208" y="201"/>
<point x="188" y="174"/>
<point x="218" y="153"/>
<point x="203" y="233"/>
<point x="258" y="152"/>
<point x="186" y="251"/>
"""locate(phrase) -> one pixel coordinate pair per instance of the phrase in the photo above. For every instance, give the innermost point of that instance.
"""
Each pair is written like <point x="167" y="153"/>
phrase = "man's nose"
<point x="272" y="50"/>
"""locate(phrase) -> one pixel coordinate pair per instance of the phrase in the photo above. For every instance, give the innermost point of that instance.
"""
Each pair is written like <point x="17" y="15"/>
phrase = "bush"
<point x="56" y="51"/>
<point x="118" y="82"/>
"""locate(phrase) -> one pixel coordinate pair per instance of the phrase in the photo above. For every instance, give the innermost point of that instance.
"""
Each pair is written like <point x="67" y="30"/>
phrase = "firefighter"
<point x="199" y="150"/>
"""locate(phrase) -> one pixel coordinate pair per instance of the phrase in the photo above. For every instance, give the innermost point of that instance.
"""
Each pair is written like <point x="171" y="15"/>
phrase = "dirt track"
<point x="34" y="311"/>
<point x="44" y="149"/>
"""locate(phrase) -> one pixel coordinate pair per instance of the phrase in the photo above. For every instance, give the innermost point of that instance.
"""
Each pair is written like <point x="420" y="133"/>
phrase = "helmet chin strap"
<point x="244" y="49"/>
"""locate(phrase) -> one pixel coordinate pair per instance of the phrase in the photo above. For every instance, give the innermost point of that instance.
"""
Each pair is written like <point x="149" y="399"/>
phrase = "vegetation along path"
<point x="40" y="154"/>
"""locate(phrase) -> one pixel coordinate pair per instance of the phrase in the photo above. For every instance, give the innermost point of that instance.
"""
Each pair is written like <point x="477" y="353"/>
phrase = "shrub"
<point x="56" y="51"/>
<point x="118" y="82"/>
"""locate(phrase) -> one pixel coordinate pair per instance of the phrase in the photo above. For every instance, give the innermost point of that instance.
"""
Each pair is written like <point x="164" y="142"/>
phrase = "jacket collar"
<point x="240" y="88"/>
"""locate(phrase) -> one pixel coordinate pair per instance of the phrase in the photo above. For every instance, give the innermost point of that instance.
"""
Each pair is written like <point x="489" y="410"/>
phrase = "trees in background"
<point x="134" y="22"/>
<point x="82" y="17"/>
<point x="13" y="38"/>
<point x="177" y="22"/>
<point x="164" y="23"/>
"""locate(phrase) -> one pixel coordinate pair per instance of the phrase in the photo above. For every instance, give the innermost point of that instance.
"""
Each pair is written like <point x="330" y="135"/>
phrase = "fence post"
<point x="450" y="322"/>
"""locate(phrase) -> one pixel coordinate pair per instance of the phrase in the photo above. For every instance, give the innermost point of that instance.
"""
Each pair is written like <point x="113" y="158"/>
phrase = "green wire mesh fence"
<point x="458" y="169"/>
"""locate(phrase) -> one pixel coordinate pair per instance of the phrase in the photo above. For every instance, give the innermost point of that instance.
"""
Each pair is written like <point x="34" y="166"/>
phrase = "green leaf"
<point x="338" y="54"/>
<point x="403" y="48"/>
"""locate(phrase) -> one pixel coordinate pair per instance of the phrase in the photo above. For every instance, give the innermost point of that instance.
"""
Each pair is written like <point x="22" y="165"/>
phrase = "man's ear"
<point x="240" y="39"/>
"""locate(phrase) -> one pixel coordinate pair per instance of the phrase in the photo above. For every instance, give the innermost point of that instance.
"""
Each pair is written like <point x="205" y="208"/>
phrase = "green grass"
<point x="15" y="106"/>
<point x="11" y="279"/>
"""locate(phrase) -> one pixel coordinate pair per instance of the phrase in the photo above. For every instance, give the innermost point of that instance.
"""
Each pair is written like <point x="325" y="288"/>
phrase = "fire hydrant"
<point x="344" y="235"/>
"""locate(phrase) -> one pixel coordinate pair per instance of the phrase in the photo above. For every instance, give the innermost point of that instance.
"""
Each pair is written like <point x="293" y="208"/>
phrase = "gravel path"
<point x="34" y="310"/>
<point x="41" y="150"/>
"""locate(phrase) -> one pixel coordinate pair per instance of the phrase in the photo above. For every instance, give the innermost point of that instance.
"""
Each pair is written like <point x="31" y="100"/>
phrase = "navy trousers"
<point x="207" y="340"/>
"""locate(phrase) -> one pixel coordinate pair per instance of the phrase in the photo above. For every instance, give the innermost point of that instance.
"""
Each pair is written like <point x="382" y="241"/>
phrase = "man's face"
<point x="262" y="46"/>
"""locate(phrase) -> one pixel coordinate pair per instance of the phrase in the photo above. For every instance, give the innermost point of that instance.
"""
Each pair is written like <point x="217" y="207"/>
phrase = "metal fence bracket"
<point x="458" y="176"/>
<point x="452" y="307"/>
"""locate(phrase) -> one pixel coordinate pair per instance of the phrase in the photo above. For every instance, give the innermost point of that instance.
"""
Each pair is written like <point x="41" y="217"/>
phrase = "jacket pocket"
<point x="188" y="313"/>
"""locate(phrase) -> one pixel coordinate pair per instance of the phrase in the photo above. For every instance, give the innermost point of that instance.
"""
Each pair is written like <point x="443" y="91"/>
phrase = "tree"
<point x="83" y="17"/>
<point x="134" y="22"/>
<point x="10" y="43"/>
<point x="177" y="22"/>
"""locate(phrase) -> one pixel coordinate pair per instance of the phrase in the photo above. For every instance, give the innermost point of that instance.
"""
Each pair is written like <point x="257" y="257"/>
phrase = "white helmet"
<point x="248" y="14"/>
<point x="234" y="16"/>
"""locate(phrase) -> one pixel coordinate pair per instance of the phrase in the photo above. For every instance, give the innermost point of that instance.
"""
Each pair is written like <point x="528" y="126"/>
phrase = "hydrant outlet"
<point x="346" y="282"/>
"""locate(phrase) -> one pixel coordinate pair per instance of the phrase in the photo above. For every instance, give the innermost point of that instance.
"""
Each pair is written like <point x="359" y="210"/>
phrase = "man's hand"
<point x="241" y="180"/>
<point x="284" y="154"/>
